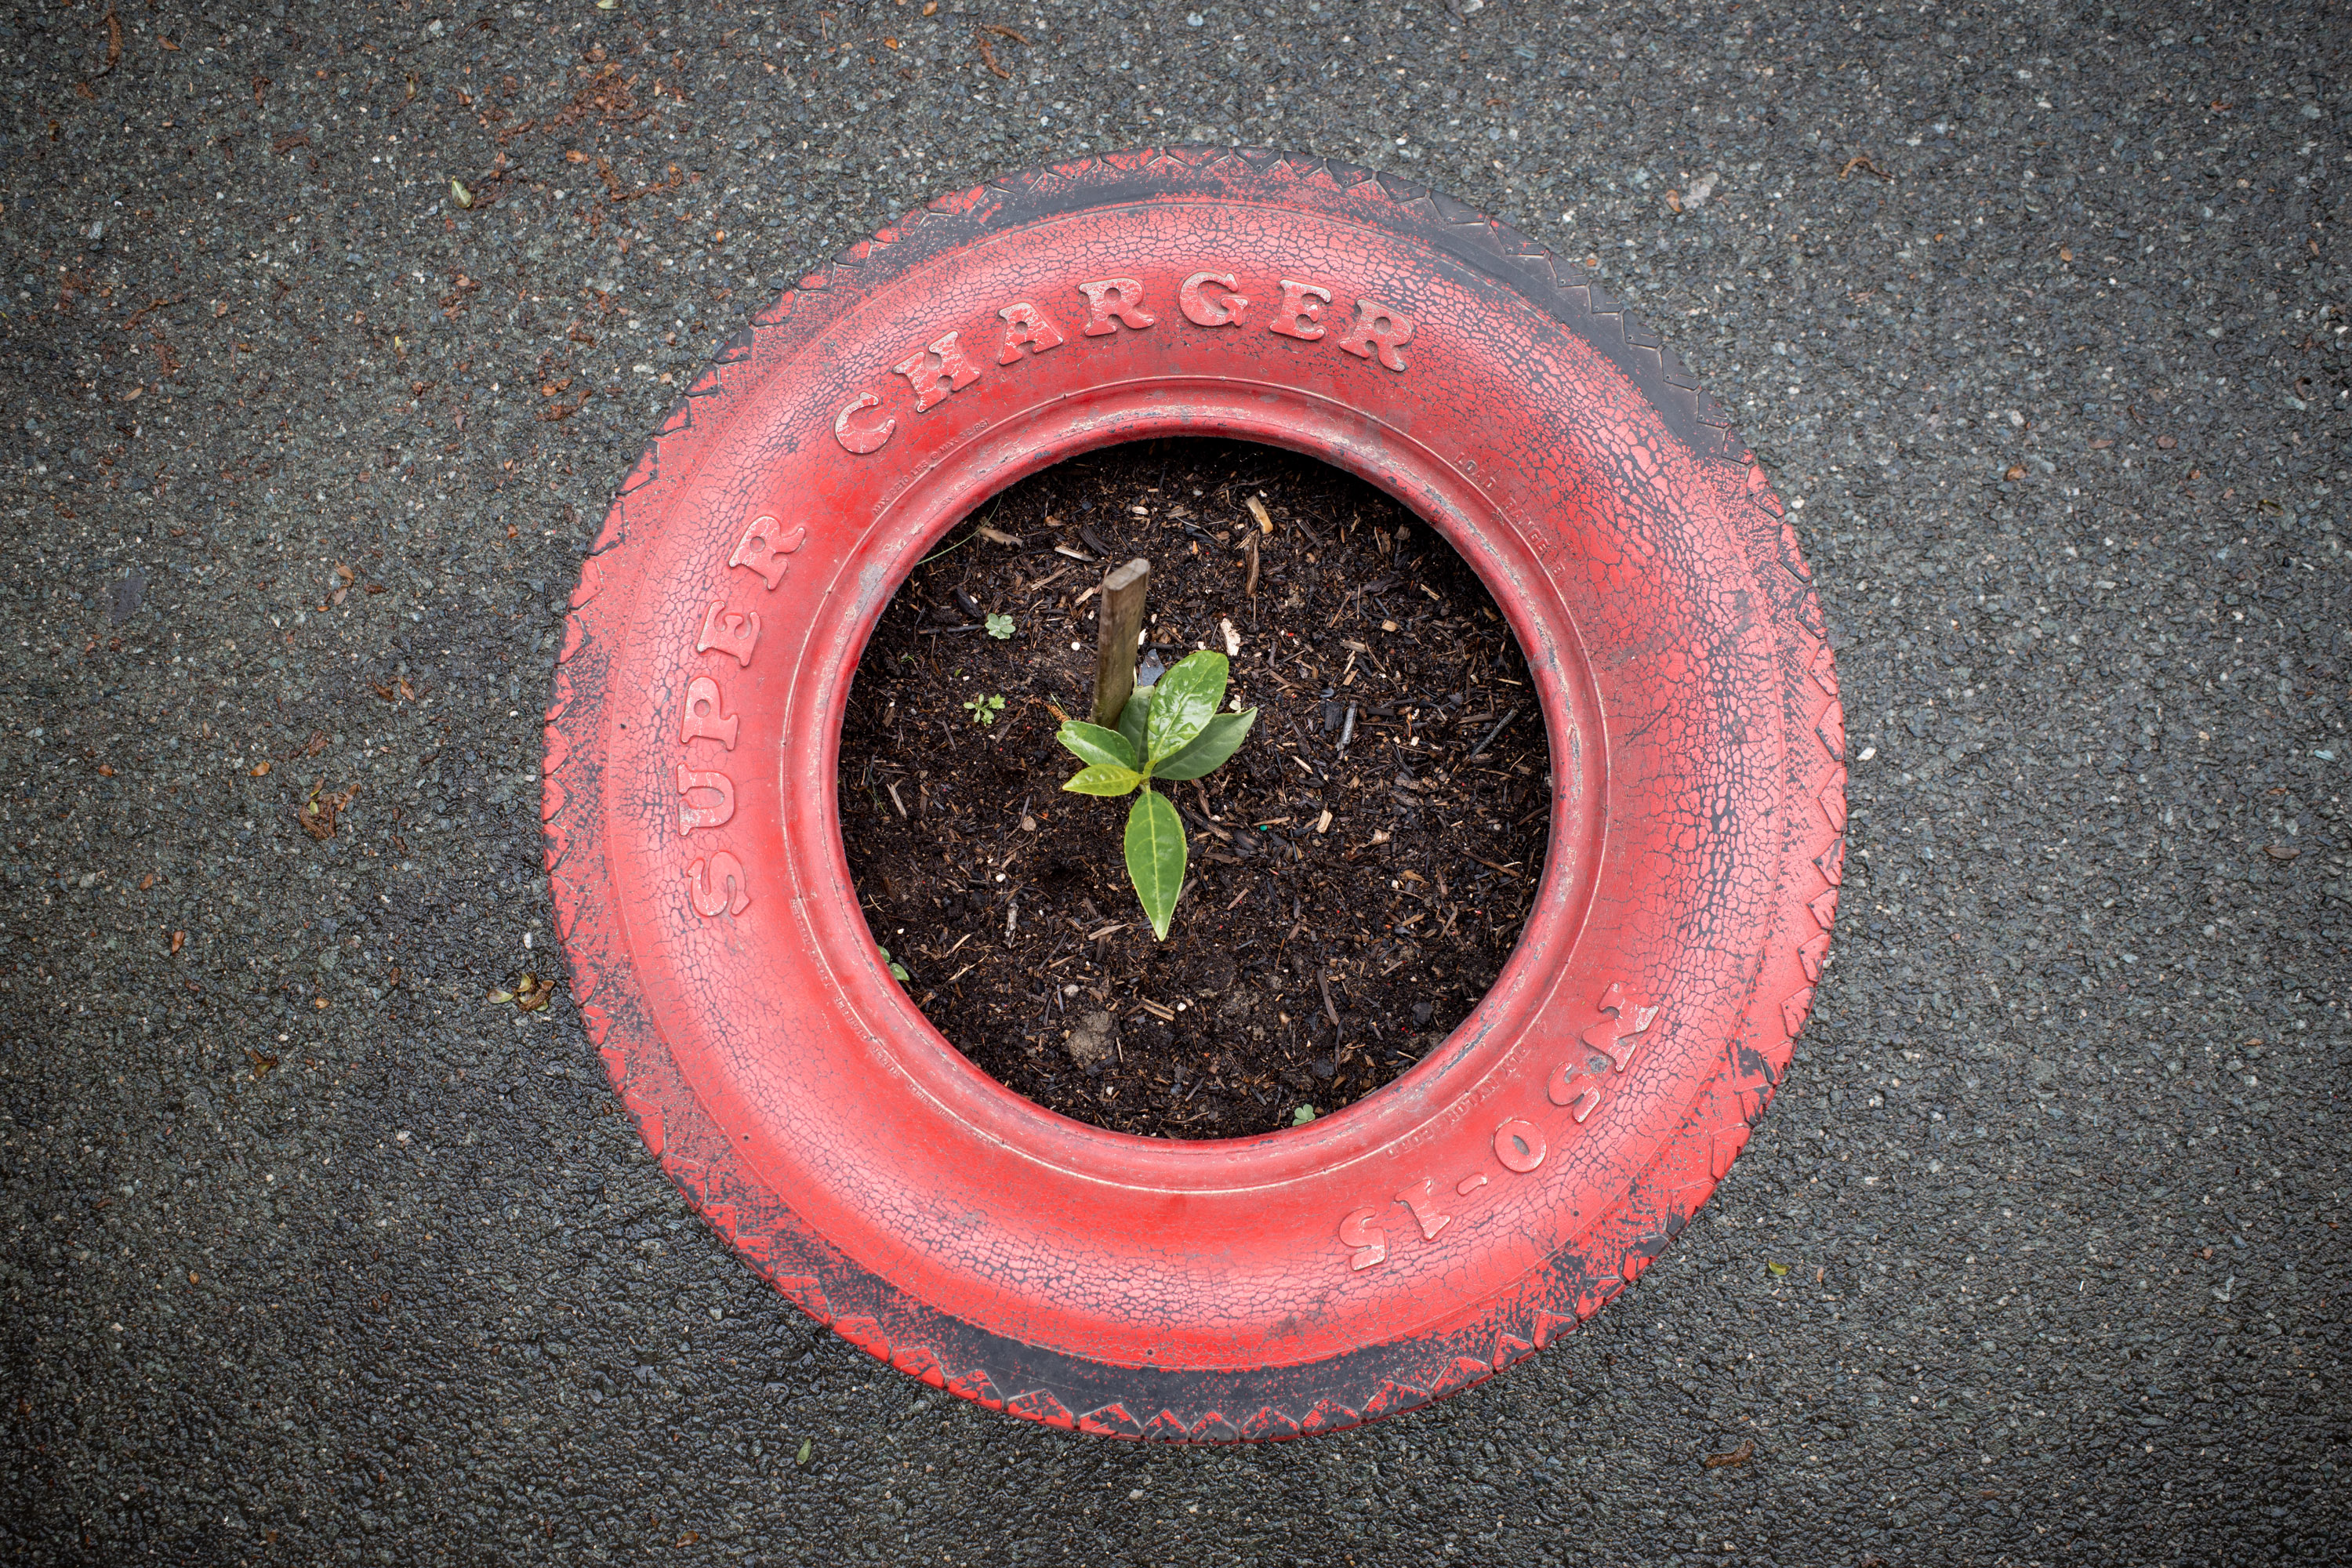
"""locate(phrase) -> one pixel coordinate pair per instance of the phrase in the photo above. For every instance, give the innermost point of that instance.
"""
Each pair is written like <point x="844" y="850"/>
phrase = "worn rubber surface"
<point x="1385" y="1256"/>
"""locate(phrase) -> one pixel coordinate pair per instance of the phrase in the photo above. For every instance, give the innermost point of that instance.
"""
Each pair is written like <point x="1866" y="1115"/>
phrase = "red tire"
<point x="1437" y="1230"/>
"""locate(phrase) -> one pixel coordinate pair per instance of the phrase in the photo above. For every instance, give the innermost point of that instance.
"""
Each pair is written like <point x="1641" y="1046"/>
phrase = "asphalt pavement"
<point x="330" y="328"/>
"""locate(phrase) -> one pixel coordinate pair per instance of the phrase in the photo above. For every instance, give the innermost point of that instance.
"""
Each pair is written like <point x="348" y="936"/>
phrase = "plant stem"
<point x="1119" y="623"/>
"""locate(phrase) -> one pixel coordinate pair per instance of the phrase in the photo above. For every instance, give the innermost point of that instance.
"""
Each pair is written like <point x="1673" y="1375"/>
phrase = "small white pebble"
<point x="1867" y="752"/>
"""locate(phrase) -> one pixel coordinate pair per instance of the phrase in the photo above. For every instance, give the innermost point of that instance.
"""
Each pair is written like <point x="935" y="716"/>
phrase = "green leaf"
<point x="1103" y="778"/>
<point x="1134" y="716"/>
<point x="1155" y="857"/>
<point x="1183" y="702"/>
<point x="1000" y="626"/>
<point x="1210" y="749"/>
<point x="1778" y="1270"/>
<point x="1302" y="1116"/>
<point x="808" y="1446"/>
<point x="1093" y="744"/>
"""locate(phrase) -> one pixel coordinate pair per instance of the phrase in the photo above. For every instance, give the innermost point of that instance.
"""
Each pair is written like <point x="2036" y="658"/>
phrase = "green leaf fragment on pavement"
<point x="808" y="1446"/>
<point x="1155" y="857"/>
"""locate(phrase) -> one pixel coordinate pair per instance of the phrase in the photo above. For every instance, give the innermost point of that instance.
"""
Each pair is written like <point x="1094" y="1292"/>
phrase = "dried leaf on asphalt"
<point x="262" y="1062"/>
<point x="317" y="812"/>
<point x="113" y="40"/>
<point x="1739" y="1456"/>
<point x="179" y="940"/>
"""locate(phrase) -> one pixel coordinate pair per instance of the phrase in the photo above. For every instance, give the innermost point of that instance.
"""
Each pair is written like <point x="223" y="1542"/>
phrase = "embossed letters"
<point x="1378" y="326"/>
<point x="1203" y="311"/>
<point x="1296" y="316"/>
<point x="763" y="547"/>
<point x="728" y="631"/>
<point x="693" y="785"/>
<point x="1025" y="324"/>
<point x="862" y="438"/>
<point x="936" y="371"/>
<point x="1119" y="298"/>
<point x="717" y="886"/>
<point x="702" y="720"/>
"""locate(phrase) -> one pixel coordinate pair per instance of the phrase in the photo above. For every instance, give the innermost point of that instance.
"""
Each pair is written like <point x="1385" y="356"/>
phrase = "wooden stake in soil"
<point x="1119" y="623"/>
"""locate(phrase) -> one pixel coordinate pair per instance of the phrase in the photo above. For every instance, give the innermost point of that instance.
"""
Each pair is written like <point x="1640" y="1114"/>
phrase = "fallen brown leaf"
<point x="2016" y="471"/>
<point x="1739" y="1456"/>
<point x="179" y="940"/>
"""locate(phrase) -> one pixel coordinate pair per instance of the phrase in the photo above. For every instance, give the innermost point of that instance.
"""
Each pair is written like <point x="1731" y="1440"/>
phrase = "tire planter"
<point x="1378" y="1258"/>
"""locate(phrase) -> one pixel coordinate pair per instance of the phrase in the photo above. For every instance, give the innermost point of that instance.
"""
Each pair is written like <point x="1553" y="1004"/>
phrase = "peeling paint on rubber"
<point x="1649" y="563"/>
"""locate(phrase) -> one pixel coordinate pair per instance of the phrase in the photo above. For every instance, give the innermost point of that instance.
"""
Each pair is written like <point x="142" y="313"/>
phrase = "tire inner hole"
<point x="1354" y="884"/>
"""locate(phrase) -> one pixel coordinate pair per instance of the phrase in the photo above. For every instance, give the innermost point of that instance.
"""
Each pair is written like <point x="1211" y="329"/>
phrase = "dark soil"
<point x="1310" y="960"/>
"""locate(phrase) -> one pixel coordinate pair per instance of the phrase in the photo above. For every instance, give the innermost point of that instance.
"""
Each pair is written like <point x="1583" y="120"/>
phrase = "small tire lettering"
<point x="1025" y="324"/>
<point x="1114" y="300"/>
<point x="693" y="782"/>
<point x="862" y="439"/>
<point x="1368" y="1240"/>
<point x="1377" y="332"/>
<point x="1301" y="314"/>
<point x="1421" y="1199"/>
<point x="936" y="371"/>
<point x="701" y="720"/>
<point x="1519" y="1145"/>
<point x="718" y="885"/>
<point x="1203" y="311"/>
<point x="764" y="547"/>
<point x="728" y="631"/>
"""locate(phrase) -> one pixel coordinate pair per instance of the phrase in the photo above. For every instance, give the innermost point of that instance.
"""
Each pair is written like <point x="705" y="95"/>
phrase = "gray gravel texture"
<point x="315" y="1256"/>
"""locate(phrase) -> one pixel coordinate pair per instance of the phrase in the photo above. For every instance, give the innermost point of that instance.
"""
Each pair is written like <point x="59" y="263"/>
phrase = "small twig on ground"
<point x="1491" y="734"/>
<point x="988" y="55"/>
<point x="1867" y="164"/>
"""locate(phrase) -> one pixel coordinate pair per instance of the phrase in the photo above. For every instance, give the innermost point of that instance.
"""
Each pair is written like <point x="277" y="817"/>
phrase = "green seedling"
<point x="1000" y="627"/>
<point x="984" y="709"/>
<point x="1170" y="733"/>
<point x="897" y="969"/>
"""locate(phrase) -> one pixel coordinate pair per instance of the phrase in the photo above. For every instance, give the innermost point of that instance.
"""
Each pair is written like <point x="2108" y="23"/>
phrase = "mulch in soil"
<point x="1353" y="890"/>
